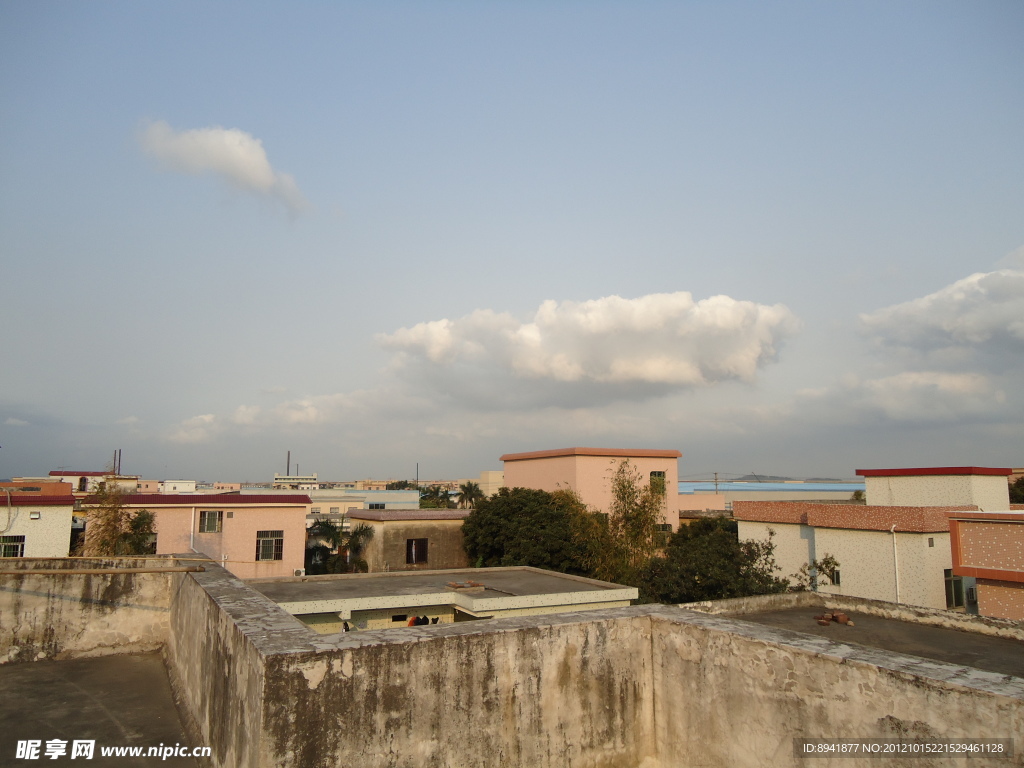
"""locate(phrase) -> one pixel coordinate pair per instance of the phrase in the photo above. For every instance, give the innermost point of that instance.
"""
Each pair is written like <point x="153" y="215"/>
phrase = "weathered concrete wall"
<point x="63" y="616"/>
<point x="563" y="691"/>
<point x="221" y="633"/>
<point x="732" y="693"/>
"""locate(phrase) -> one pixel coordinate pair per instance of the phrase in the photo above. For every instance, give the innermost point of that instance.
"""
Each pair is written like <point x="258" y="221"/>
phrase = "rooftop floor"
<point x="993" y="654"/>
<point x="498" y="582"/>
<point x="114" y="700"/>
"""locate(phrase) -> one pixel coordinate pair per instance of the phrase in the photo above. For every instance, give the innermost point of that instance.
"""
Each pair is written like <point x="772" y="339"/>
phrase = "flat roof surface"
<point x="645" y="453"/>
<point x="1001" y="655"/>
<point x="498" y="582"/>
<point x="117" y="701"/>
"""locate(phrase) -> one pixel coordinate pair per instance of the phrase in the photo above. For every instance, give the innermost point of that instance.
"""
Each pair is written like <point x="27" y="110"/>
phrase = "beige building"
<point x="984" y="487"/>
<point x="896" y="554"/>
<point x="413" y="539"/>
<point x="34" y="524"/>
<point x="589" y="471"/>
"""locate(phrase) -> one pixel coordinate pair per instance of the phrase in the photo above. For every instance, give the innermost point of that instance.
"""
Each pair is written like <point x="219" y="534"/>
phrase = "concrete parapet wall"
<point x="732" y="693"/>
<point x="565" y="690"/>
<point x="68" y="615"/>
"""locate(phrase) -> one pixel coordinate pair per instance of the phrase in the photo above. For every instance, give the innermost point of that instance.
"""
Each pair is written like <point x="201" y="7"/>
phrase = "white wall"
<point x="990" y="492"/>
<point x="49" y="536"/>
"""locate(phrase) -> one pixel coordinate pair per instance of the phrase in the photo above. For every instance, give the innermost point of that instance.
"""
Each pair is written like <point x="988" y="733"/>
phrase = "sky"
<point x="783" y="238"/>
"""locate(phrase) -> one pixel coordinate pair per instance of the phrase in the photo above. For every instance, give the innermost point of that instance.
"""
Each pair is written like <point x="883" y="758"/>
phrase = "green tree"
<point x="436" y="497"/>
<point x="1017" y="491"/>
<point x="111" y="528"/>
<point x="401" y="485"/>
<point x="525" y="526"/>
<point x="617" y="545"/>
<point x="810" y="574"/>
<point x="705" y="560"/>
<point x="469" y="495"/>
<point x="332" y="549"/>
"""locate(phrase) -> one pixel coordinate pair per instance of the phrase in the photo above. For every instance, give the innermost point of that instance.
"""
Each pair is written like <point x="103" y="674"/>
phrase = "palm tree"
<point x="435" y="497"/>
<point x="469" y="494"/>
<point x="336" y="550"/>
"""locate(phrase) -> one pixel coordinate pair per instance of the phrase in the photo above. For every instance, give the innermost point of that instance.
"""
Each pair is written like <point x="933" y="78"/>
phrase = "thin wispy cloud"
<point x="232" y="155"/>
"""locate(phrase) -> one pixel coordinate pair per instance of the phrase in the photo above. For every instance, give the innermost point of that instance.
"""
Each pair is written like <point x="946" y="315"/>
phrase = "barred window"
<point x="270" y="545"/>
<point x="12" y="546"/>
<point x="211" y="521"/>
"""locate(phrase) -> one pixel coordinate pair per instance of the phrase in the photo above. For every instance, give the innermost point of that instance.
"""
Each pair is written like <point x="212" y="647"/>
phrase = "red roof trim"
<point x="919" y="471"/>
<point x="210" y="500"/>
<point x="34" y="500"/>
<point x="626" y="453"/>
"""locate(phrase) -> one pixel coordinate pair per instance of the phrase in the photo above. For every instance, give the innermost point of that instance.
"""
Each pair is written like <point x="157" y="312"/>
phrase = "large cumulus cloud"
<point x="982" y="311"/>
<point x="234" y="156"/>
<point x="607" y="348"/>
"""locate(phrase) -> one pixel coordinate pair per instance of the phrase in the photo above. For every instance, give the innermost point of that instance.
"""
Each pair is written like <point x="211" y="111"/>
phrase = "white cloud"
<point x="234" y="156"/>
<point x="929" y="396"/>
<point x="625" y="347"/>
<point x="982" y="311"/>
<point x="197" y="429"/>
<point x="13" y="422"/>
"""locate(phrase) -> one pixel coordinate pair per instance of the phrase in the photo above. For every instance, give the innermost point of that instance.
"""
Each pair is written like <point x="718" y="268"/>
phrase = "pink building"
<point x="253" y="536"/>
<point x="589" y="471"/>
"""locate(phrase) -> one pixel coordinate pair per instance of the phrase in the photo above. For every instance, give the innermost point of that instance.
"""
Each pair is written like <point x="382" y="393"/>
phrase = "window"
<point x="211" y="521"/>
<point x="954" y="589"/>
<point x="375" y="505"/>
<point x="314" y="510"/>
<point x="335" y="510"/>
<point x="415" y="551"/>
<point x="400" y="617"/>
<point x="931" y="542"/>
<point x="836" y="581"/>
<point x="270" y="545"/>
<point x="658" y="481"/>
<point x="12" y="546"/>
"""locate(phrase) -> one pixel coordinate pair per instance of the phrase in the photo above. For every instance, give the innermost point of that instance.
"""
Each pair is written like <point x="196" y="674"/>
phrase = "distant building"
<point x="984" y="487"/>
<point x="296" y="482"/>
<point x="413" y="539"/>
<point x="896" y="554"/>
<point x="898" y="546"/>
<point x="250" y="535"/>
<point x="177" y="486"/>
<point x="35" y="524"/>
<point x="90" y="482"/>
<point x="589" y="471"/>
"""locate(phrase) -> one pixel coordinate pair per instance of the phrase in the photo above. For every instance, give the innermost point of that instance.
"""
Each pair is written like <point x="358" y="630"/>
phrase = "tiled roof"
<point x="919" y="471"/>
<point x="211" y="499"/>
<point x="382" y="515"/>
<point x="854" y="517"/>
<point x="627" y="453"/>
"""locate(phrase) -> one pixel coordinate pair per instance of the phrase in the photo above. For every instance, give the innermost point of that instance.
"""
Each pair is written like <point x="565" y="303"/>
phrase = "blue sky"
<point x="785" y="238"/>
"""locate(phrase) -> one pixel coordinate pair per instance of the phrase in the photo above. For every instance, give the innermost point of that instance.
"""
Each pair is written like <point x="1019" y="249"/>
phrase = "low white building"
<point x="35" y="525"/>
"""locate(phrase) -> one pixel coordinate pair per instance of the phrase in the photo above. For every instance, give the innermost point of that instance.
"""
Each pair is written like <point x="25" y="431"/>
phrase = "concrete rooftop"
<point x="114" y="700"/>
<point x="1002" y="655"/>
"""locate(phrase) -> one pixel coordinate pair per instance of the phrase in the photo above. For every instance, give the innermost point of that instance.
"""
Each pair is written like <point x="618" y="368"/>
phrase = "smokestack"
<point x="288" y="468"/>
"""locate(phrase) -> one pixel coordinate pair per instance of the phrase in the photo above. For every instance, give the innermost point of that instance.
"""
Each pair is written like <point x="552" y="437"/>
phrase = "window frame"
<point x="413" y="548"/>
<point x="204" y="521"/>
<point x="269" y="546"/>
<point x="17" y="542"/>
